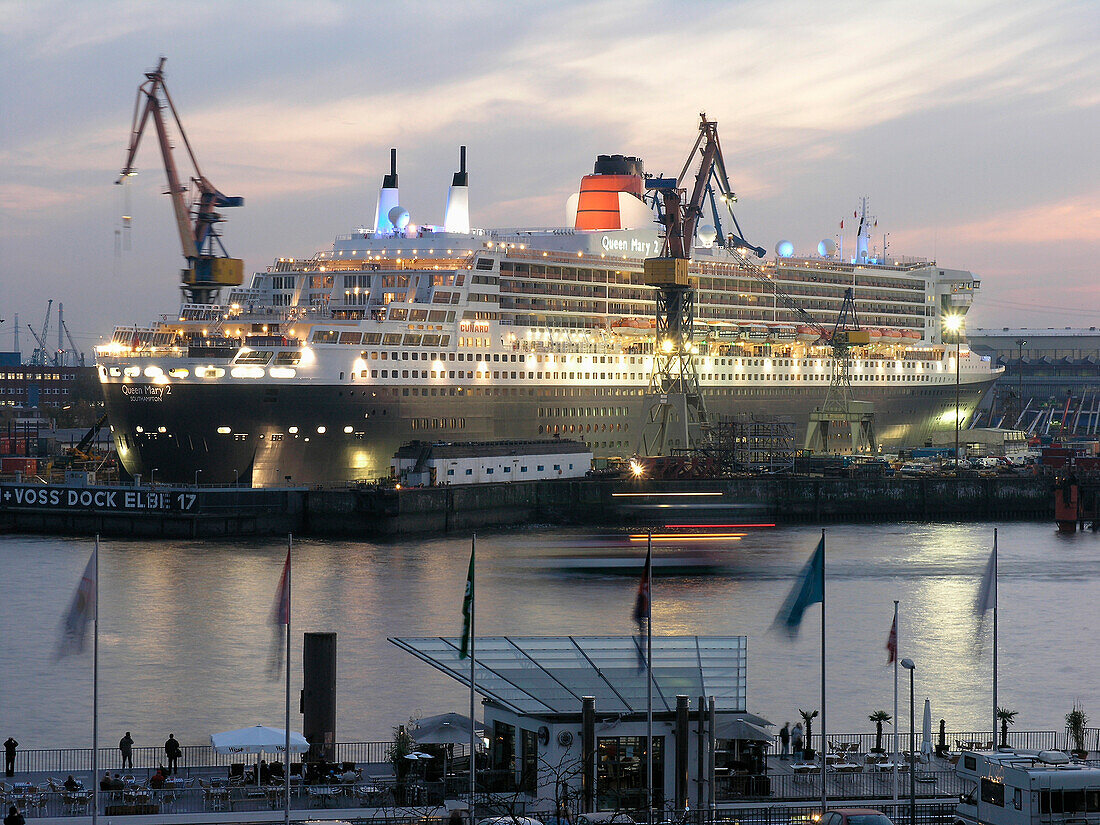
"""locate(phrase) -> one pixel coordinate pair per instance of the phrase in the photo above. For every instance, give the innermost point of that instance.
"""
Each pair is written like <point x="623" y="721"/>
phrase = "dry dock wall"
<point x="182" y="512"/>
<point x="445" y="509"/>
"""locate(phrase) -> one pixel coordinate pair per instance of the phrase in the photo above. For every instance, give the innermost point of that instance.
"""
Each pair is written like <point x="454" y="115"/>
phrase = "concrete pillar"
<point x="682" y="735"/>
<point x="710" y="756"/>
<point x="318" y="703"/>
<point x="700" y="766"/>
<point x="588" y="753"/>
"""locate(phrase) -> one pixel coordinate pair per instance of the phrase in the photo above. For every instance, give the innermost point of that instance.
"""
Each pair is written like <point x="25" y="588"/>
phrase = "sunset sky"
<point x="972" y="128"/>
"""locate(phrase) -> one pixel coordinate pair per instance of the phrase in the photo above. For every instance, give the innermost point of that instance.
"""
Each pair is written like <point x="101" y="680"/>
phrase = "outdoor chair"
<point x="74" y="800"/>
<point x="214" y="797"/>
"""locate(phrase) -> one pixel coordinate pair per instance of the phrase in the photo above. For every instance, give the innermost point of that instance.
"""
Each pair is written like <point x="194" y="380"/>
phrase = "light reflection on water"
<point x="185" y="639"/>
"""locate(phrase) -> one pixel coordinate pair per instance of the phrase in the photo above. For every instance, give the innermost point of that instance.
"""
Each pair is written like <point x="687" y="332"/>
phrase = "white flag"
<point x="74" y="627"/>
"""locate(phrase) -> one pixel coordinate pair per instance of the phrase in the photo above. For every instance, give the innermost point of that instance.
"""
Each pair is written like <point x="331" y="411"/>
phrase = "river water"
<point x="185" y="637"/>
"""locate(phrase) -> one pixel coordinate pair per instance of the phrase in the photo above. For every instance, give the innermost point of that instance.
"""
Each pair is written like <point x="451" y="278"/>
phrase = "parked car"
<point x="855" y="816"/>
<point x="605" y="818"/>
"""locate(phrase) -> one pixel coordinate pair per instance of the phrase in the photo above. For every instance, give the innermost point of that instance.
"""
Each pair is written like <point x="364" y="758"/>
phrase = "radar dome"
<point x="784" y="249"/>
<point x="399" y="217"/>
<point x="826" y="248"/>
<point x="706" y="234"/>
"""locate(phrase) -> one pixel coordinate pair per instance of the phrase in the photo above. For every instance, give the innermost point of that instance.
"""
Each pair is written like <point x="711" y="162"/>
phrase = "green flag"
<point x="467" y="610"/>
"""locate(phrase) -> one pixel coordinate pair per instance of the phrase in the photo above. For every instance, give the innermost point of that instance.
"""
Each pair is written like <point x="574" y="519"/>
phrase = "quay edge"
<point x="373" y="512"/>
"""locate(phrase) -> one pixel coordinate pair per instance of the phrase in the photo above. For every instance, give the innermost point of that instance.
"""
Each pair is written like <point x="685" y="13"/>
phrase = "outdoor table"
<point x="325" y="793"/>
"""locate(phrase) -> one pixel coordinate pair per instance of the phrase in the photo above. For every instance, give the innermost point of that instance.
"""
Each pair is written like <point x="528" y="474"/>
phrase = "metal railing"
<point x="71" y="760"/>
<point x="866" y="784"/>
<point x="1021" y="739"/>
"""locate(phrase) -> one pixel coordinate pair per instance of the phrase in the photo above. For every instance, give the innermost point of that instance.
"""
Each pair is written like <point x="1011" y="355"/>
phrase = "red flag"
<point x="641" y="604"/>
<point x="892" y="643"/>
<point x="280" y="615"/>
<point x="855" y="214"/>
<point x="842" y="224"/>
<point x="642" y="609"/>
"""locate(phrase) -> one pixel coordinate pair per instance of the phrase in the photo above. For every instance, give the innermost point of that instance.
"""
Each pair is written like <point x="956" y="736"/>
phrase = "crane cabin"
<point x="1027" y="788"/>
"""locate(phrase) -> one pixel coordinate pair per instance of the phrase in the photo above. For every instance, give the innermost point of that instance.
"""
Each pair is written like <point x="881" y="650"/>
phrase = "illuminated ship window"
<point x="132" y="372"/>
<point x="209" y="372"/>
<point x="178" y="372"/>
<point x="254" y="356"/>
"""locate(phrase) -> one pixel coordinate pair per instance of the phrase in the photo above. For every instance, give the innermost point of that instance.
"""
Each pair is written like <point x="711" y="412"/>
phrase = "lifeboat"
<point x="758" y="332"/>
<point x="633" y="327"/>
<point x="911" y="335"/>
<point x="781" y="332"/>
<point x="806" y="334"/>
<point x="891" y="336"/>
<point x="875" y="334"/>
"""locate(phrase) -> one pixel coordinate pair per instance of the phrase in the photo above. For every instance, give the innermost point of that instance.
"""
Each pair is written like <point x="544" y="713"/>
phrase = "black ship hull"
<point x="308" y="434"/>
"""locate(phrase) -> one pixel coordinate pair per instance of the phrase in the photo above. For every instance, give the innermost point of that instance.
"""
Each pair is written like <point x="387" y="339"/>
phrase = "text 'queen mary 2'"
<point x="319" y="369"/>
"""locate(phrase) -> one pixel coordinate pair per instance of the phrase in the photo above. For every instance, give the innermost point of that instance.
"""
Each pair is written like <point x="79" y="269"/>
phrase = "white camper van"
<point x="1027" y="788"/>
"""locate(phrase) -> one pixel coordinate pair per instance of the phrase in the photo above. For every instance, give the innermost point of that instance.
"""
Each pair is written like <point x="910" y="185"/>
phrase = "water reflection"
<point x="184" y="633"/>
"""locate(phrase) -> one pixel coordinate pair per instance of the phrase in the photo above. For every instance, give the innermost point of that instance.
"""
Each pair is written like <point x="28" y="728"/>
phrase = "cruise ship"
<point x="319" y="368"/>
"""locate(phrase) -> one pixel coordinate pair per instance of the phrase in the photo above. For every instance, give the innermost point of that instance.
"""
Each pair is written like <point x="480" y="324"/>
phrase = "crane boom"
<point x="196" y="223"/>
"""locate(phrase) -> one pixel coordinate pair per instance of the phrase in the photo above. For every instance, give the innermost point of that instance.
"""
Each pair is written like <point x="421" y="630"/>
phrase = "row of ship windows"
<point x="483" y="373"/>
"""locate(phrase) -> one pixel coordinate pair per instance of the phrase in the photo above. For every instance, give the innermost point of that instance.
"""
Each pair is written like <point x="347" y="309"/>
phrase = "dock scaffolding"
<point x="744" y="443"/>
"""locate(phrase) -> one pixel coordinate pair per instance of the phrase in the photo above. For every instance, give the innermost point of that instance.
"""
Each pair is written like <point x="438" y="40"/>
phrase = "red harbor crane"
<point x="209" y="267"/>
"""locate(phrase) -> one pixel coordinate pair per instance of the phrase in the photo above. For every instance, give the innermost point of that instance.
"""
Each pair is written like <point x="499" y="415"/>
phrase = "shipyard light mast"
<point x="209" y="267"/>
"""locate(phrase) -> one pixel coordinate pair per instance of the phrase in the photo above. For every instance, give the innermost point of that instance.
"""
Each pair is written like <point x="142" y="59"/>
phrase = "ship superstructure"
<point x="320" y="368"/>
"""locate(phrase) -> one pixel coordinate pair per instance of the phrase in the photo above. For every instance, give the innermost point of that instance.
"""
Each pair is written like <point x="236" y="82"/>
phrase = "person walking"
<point x="173" y="752"/>
<point x="796" y="740"/>
<point x="126" y="748"/>
<point x="9" y="759"/>
<point x="785" y="741"/>
<point x="14" y="817"/>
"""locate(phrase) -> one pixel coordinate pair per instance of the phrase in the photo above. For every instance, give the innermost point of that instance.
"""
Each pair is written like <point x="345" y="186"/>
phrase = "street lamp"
<point x="953" y="323"/>
<point x="152" y="474"/>
<point x="235" y="476"/>
<point x="197" y="477"/>
<point x="908" y="665"/>
<point x="1020" y="344"/>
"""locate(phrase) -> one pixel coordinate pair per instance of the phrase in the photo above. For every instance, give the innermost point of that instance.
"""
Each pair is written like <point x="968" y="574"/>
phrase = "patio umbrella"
<point x="742" y="730"/>
<point x="257" y="740"/>
<point x="445" y="729"/>
<point x="926" y="733"/>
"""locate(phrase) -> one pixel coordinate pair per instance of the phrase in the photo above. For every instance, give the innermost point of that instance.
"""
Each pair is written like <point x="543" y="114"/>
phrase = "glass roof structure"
<point x="541" y="675"/>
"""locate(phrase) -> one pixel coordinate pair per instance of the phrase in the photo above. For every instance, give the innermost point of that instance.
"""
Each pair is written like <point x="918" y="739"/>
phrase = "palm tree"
<point x="880" y="717"/>
<point x="1007" y="717"/>
<point x="808" y="718"/>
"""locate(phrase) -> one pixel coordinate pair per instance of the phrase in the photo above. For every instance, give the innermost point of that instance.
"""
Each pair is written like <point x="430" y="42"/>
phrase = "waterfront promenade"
<point x="203" y="791"/>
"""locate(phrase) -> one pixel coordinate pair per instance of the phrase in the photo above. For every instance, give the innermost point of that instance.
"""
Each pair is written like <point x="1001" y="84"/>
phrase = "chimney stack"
<point x="457" y="216"/>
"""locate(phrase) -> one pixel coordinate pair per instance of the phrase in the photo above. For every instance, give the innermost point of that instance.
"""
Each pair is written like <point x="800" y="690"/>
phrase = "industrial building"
<point x="30" y="386"/>
<point x="479" y="462"/>
<point x="1051" y="383"/>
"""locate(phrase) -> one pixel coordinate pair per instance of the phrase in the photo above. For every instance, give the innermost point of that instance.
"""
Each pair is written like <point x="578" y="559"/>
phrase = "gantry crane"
<point x="678" y="414"/>
<point x="207" y="271"/>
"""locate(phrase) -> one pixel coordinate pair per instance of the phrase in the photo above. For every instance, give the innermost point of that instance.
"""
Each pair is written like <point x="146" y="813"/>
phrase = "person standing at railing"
<point x="9" y="758"/>
<point x="173" y="752"/>
<point x="785" y="740"/>
<point x="14" y="817"/>
<point x="126" y="748"/>
<point x="796" y="740"/>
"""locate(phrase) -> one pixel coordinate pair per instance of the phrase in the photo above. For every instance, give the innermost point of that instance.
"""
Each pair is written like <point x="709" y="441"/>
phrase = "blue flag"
<point x="809" y="589"/>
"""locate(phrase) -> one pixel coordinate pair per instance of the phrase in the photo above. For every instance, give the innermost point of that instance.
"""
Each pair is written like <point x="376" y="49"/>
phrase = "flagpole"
<point x="994" y="638"/>
<point x="95" y="692"/>
<point x="649" y="680"/>
<point x="824" y="729"/>
<point x="897" y="639"/>
<point x="473" y="732"/>
<point x="286" y="753"/>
